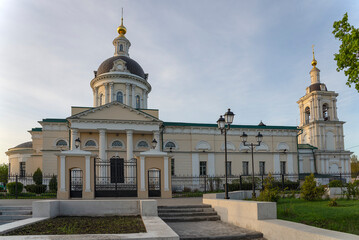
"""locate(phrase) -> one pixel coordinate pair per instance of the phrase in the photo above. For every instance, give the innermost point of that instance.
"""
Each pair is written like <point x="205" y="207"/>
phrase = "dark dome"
<point x="131" y="65"/>
<point x="316" y="87"/>
<point x="24" y="145"/>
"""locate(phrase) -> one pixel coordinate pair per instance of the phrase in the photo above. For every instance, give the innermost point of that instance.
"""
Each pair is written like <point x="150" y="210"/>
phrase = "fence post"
<point x="205" y="183"/>
<point x="282" y="181"/>
<point x="262" y="182"/>
<point x="240" y="182"/>
<point x="16" y="187"/>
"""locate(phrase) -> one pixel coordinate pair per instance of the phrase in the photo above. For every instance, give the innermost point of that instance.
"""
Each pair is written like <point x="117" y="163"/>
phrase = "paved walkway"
<point x="212" y="230"/>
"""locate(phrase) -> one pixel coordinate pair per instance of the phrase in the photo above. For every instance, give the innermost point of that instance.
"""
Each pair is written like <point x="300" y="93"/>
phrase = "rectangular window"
<point x="245" y="168"/>
<point x="282" y="167"/>
<point x="172" y="166"/>
<point x="22" y="169"/>
<point x="229" y="168"/>
<point x="262" y="168"/>
<point x="202" y="168"/>
<point x="117" y="170"/>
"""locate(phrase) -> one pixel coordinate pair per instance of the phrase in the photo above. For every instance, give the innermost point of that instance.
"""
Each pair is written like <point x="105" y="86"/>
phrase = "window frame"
<point x="283" y="167"/>
<point x="245" y="168"/>
<point x="119" y="93"/>
<point x="262" y="167"/>
<point x="89" y="146"/>
<point x="202" y="168"/>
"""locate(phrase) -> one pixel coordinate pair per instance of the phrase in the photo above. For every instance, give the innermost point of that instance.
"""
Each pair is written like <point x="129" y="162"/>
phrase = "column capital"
<point x="102" y="130"/>
<point x="129" y="131"/>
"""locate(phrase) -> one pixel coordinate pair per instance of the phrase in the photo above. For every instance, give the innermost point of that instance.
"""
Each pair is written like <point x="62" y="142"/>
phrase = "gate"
<point x="115" y="177"/>
<point x="154" y="183"/>
<point x="76" y="183"/>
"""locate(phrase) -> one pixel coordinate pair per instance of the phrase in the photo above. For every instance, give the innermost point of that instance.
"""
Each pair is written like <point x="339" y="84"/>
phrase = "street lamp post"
<point x="259" y="138"/>
<point x="224" y="124"/>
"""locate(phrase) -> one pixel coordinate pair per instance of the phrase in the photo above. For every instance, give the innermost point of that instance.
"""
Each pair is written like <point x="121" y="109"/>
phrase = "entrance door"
<point x="76" y="183"/>
<point x="154" y="183"/>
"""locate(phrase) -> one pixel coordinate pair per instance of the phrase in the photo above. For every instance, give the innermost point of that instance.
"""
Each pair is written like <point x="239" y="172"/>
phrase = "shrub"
<point x="336" y="183"/>
<point x="310" y="191"/>
<point x="53" y="184"/>
<point x="11" y="187"/>
<point x="186" y="189"/>
<point x="289" y="185"/>
<point x="270" y="192"/>
<point x="37" y="177"/>
<point x="352" y="191"/>
<point x="38" y="189"/>
<point x="333" y="203"/>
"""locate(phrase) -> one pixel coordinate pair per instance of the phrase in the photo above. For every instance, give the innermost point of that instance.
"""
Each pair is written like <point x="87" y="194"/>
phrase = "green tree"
<point x="4" y="173"/>
<point x="37" y="177"/>
<point x="309" y="191"/>
<point x="354" y="165"/>
<point x="348" y="56"/>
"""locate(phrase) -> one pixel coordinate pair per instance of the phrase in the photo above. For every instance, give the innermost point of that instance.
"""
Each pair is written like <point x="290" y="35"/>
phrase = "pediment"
<point x="114" y="111"/>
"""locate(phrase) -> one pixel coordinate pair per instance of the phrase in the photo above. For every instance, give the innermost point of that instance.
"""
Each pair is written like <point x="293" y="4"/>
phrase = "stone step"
<point x="185" y="206"/>
<point x="5" y="221"/>
<point x="13" y="217"/>
<point x="168" y="210"/>
<point x="2" y="208"/>
<point x="256" y="236"/>
<point x="16" y="212"/>
<point x="188" y="214"/>
<point x="191" y="219"/>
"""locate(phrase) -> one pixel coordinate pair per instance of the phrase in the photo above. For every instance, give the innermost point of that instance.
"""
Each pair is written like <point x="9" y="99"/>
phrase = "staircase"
<point x="187" y="213"/>
<point x="11" y="214"/>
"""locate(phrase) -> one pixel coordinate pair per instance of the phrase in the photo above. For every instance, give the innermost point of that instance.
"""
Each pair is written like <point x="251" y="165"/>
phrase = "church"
<point x="119" y="125"/>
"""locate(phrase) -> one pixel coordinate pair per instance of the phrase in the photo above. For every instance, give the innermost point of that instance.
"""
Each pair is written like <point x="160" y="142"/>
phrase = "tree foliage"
<point x="348" y="56"/>
<point x="4" y="172"/>
<point x="309" y="191"/>
<point x="354" y="165"/>
<point x="37" y="177"/>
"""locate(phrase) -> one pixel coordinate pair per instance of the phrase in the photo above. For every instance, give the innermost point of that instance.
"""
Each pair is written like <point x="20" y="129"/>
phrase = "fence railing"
<point x="244" y="182"/>
<point x="28" y="179"/>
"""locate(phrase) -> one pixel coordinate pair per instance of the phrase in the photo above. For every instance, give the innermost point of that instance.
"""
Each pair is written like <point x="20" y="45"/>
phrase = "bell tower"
<point x="321" y="126"/>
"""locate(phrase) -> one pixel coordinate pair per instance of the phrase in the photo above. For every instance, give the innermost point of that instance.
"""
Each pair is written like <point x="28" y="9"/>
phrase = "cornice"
<point x="81" y="120"/>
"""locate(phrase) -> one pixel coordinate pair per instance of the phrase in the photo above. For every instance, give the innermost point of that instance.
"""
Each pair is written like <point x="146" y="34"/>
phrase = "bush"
<point x="38" y="189"/>
<point x="37" y="177"/>
<point x="270" y="192"/>
<point x="289" y="185"/>
<point x="186" y="189"/>
<point x="352" y="191"/>
<point x="310" y="191"/>
<point x="333" y="203"/>
<point x="53" y="184"/>
<point x="336" y="183"/>
<point x="11" y="187"/>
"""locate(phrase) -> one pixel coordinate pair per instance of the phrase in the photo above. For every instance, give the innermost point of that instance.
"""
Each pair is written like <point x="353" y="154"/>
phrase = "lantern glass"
<point x="154" y="143"/>
<point x="244" y="137"/>
<point x="259" y="137"/>
<point x="229" y="116"/>
<point x="77" y="142"/>
<point x="221" y="122"/>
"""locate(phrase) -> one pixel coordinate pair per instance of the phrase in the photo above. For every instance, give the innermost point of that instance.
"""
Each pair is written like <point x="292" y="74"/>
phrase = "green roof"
<point x="54" y="120"/>
<point x="182" y="124"/>
<point x="306" y="146"/>
<point x="36" y="129"/>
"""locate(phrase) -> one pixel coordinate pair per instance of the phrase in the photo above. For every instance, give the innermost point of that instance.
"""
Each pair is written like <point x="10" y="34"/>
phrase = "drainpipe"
<point x="162" y="130"/>
<point x="315" y="162"/>
<point x="68" y="126"/>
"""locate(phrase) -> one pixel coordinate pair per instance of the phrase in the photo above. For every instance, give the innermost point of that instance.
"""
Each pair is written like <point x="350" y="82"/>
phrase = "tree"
<point x="354" y="165"/>
<point x="348" y="56"/>
<point x="4" y="173"/>
<point x="37" y="177"/>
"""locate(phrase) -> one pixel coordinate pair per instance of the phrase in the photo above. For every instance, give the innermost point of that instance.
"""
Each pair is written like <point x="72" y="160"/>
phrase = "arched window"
<point x="307" y="115"/>
<point x="101" y="99"/>
<point x="325" y="112"/>
<point x="121" y="47"/>
<point x="119" y="97"/>
<point x="90" y="143"/>
<point x="61" y="143"/>
<point x="117" y="143"/>
<point x="142" y="144"/>
<point x="138" y="101"/>
<point x="170" y="145"/>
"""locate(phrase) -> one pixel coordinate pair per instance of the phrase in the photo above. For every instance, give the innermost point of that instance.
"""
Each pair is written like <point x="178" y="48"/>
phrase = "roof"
<point x="131" y="66"/>
<point x="316" y="87"/>
<point x="306" y="146"/>
<point x="25" y="145"/>
<point x="36" y="129"/>
<point x="54" y="120"/>
<point x="182" y="124"/>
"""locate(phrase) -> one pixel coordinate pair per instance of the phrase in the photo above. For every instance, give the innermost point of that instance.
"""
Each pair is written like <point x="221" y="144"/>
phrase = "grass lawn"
<point x="343" y="218"/>
<point x="83" y="225"/>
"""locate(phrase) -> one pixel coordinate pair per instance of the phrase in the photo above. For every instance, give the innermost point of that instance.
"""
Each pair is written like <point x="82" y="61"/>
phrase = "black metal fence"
<point x="244" y="182"/>
<point x="28" y="179"/>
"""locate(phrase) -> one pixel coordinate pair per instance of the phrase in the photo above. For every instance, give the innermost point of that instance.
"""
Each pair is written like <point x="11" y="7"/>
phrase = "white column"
<point x="88" y="174"/>
<point x="165" y="164"/>
<point x="145" y="98"/>
<point x="111" y="93"/>
<point x="106" y="92"/>
<point x="128" y="94"/>
<point x="322" y="166"/>
<point x="312" y="165"/>
<point x="133" y="96"/>
<point x="156" y="135"/>
<point x="129" y="144"/>
<point x="62" y="174"/>
<point x="276" y="163"/>
<point x="143" y="175"/>
<point x="102" y="152"/>
<point x="290" y="163"/>
<point x="95" y="102"/>
<point x="210" y="165"/>
<point x="73" y="138"/>
<point x="195" y="164"/>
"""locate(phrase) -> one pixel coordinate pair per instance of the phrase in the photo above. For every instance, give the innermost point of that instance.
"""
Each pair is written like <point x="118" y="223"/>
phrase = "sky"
<point x="202" y="58"/>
